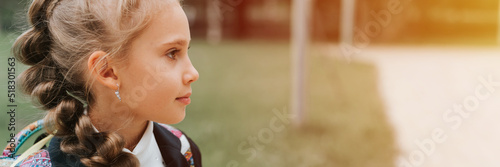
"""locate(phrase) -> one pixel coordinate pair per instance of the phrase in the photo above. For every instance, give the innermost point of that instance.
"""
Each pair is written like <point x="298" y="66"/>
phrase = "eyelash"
<point x="172" y="54"/>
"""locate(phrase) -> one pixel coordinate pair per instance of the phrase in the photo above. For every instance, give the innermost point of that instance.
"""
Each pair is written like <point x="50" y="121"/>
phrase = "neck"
<point x="126" y="125"/>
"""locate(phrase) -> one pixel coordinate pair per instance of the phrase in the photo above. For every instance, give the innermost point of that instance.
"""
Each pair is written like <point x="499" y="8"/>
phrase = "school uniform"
<point x="161" y="145"/>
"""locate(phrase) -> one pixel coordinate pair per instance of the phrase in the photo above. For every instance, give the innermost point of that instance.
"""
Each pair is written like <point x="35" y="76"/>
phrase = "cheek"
<point x="160" y="105"/>
<point x="143" y="81"/>
<point x="152" y="91"/>
<point x="163" y="92"/>
<point x="153" y="98"/>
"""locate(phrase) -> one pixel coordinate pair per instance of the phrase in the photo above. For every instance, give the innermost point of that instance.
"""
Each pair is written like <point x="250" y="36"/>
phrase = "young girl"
<point x="111" y="74"/>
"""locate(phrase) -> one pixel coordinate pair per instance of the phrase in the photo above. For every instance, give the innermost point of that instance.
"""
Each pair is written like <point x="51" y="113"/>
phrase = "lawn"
<point x="239" y="111"/>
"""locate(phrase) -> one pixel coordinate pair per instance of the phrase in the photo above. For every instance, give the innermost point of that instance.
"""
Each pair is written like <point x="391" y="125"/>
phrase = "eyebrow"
<point x="176" y="42"/>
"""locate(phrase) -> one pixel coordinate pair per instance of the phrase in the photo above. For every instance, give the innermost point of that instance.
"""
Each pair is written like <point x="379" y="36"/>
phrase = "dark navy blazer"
<point x="168" y="143"/>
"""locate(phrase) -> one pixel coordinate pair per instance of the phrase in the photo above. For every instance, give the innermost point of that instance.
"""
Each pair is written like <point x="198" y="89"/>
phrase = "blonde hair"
<point x="63" y="34"/>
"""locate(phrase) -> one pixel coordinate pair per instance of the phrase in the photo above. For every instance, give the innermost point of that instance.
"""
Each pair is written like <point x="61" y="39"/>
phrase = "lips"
<point x="184" y="99"/>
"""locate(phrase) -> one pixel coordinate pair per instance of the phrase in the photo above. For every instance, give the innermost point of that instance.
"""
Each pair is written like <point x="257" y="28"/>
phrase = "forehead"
<point x="169" y="25"/>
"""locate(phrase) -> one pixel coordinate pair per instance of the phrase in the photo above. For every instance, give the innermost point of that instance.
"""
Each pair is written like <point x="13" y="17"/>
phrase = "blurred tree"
<point x="214" y="21"/>
<point x="241" y="21"/>
<point x="440" y="21"/>
<point x="326" y="20"/>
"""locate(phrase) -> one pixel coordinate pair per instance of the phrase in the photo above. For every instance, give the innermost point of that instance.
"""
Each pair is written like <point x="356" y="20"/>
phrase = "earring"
<point x="85" y="112"/>
<point x="117" y="92"/>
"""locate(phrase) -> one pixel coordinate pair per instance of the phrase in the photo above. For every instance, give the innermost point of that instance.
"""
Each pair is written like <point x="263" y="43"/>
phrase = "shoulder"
<point x="175" y="146"/>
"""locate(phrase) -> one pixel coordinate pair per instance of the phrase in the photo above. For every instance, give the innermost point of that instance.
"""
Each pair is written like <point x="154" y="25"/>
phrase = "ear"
<point x="100" y="69"/>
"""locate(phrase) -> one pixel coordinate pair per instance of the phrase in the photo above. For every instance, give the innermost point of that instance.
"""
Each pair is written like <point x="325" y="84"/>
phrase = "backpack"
<point x="36" y="155"/>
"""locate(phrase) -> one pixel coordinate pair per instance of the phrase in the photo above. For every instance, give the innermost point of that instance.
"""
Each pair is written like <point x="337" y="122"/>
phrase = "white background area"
<point x="418" y="85"/>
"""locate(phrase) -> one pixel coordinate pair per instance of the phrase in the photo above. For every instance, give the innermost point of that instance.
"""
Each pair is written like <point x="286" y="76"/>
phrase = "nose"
<point x="190" y="75"/>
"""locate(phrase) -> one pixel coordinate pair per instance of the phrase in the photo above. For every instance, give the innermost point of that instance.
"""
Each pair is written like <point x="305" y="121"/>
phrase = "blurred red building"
<point x="420" y="21"/>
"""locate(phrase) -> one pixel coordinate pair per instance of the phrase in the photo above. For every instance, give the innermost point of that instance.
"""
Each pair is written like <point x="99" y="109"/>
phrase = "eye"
<point x="172" y="53"/>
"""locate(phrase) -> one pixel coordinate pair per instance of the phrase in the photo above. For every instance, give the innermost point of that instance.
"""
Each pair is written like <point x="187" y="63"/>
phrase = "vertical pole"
<point x="214" y="22"/>
<point x="347" y="21"/>
<point x="299" y="41"/>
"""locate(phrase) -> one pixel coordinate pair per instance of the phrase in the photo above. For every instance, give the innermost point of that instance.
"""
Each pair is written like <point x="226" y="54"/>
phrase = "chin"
<point x="176" y="121"/>
<point x="172" y="119"/>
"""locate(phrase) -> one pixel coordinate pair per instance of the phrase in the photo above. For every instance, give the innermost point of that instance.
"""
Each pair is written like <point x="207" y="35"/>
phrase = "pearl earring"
<point x="117" y="92"/>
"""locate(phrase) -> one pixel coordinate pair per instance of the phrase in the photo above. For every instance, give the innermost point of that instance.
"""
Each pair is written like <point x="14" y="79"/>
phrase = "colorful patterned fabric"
<point x="189" y="157"/>
<point x="38" y="159"/>
<point x="176" y="132"/>
<point x="21" y="137"/>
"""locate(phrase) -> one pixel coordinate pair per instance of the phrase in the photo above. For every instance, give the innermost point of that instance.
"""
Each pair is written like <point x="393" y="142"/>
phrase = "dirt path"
<point x="444" y="104"/>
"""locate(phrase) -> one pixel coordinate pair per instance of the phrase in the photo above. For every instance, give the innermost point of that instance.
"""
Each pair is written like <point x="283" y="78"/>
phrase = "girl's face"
<point x="155" y="83"/>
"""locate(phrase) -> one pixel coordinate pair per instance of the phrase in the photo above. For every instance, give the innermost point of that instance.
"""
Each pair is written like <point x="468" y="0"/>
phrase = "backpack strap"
<point x="184" y="142"/>
<point x="185" y="146"/>
<point x="22" y="137"/>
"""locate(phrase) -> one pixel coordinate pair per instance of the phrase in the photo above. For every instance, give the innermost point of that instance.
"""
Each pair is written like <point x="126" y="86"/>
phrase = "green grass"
<point x="25" y="112"/>
<point x="242" y="83"/>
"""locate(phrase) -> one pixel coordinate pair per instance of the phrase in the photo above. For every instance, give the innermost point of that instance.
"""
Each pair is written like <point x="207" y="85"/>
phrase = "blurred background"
<point x="377" y="82"/>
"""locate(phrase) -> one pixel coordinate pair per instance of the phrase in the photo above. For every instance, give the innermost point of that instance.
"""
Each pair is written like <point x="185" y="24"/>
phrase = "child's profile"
<point x="112" y="75"/>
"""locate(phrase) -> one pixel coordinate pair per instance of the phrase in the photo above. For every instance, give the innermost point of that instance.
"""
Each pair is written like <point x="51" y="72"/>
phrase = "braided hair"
<point x="62" y="35"/>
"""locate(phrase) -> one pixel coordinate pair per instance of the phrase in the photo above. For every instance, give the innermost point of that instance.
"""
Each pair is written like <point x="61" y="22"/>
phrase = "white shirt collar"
<point x="147" y="150"/>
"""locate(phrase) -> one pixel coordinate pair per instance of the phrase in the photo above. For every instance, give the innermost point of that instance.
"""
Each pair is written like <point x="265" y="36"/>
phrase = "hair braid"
<point x="34" y="44"/>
